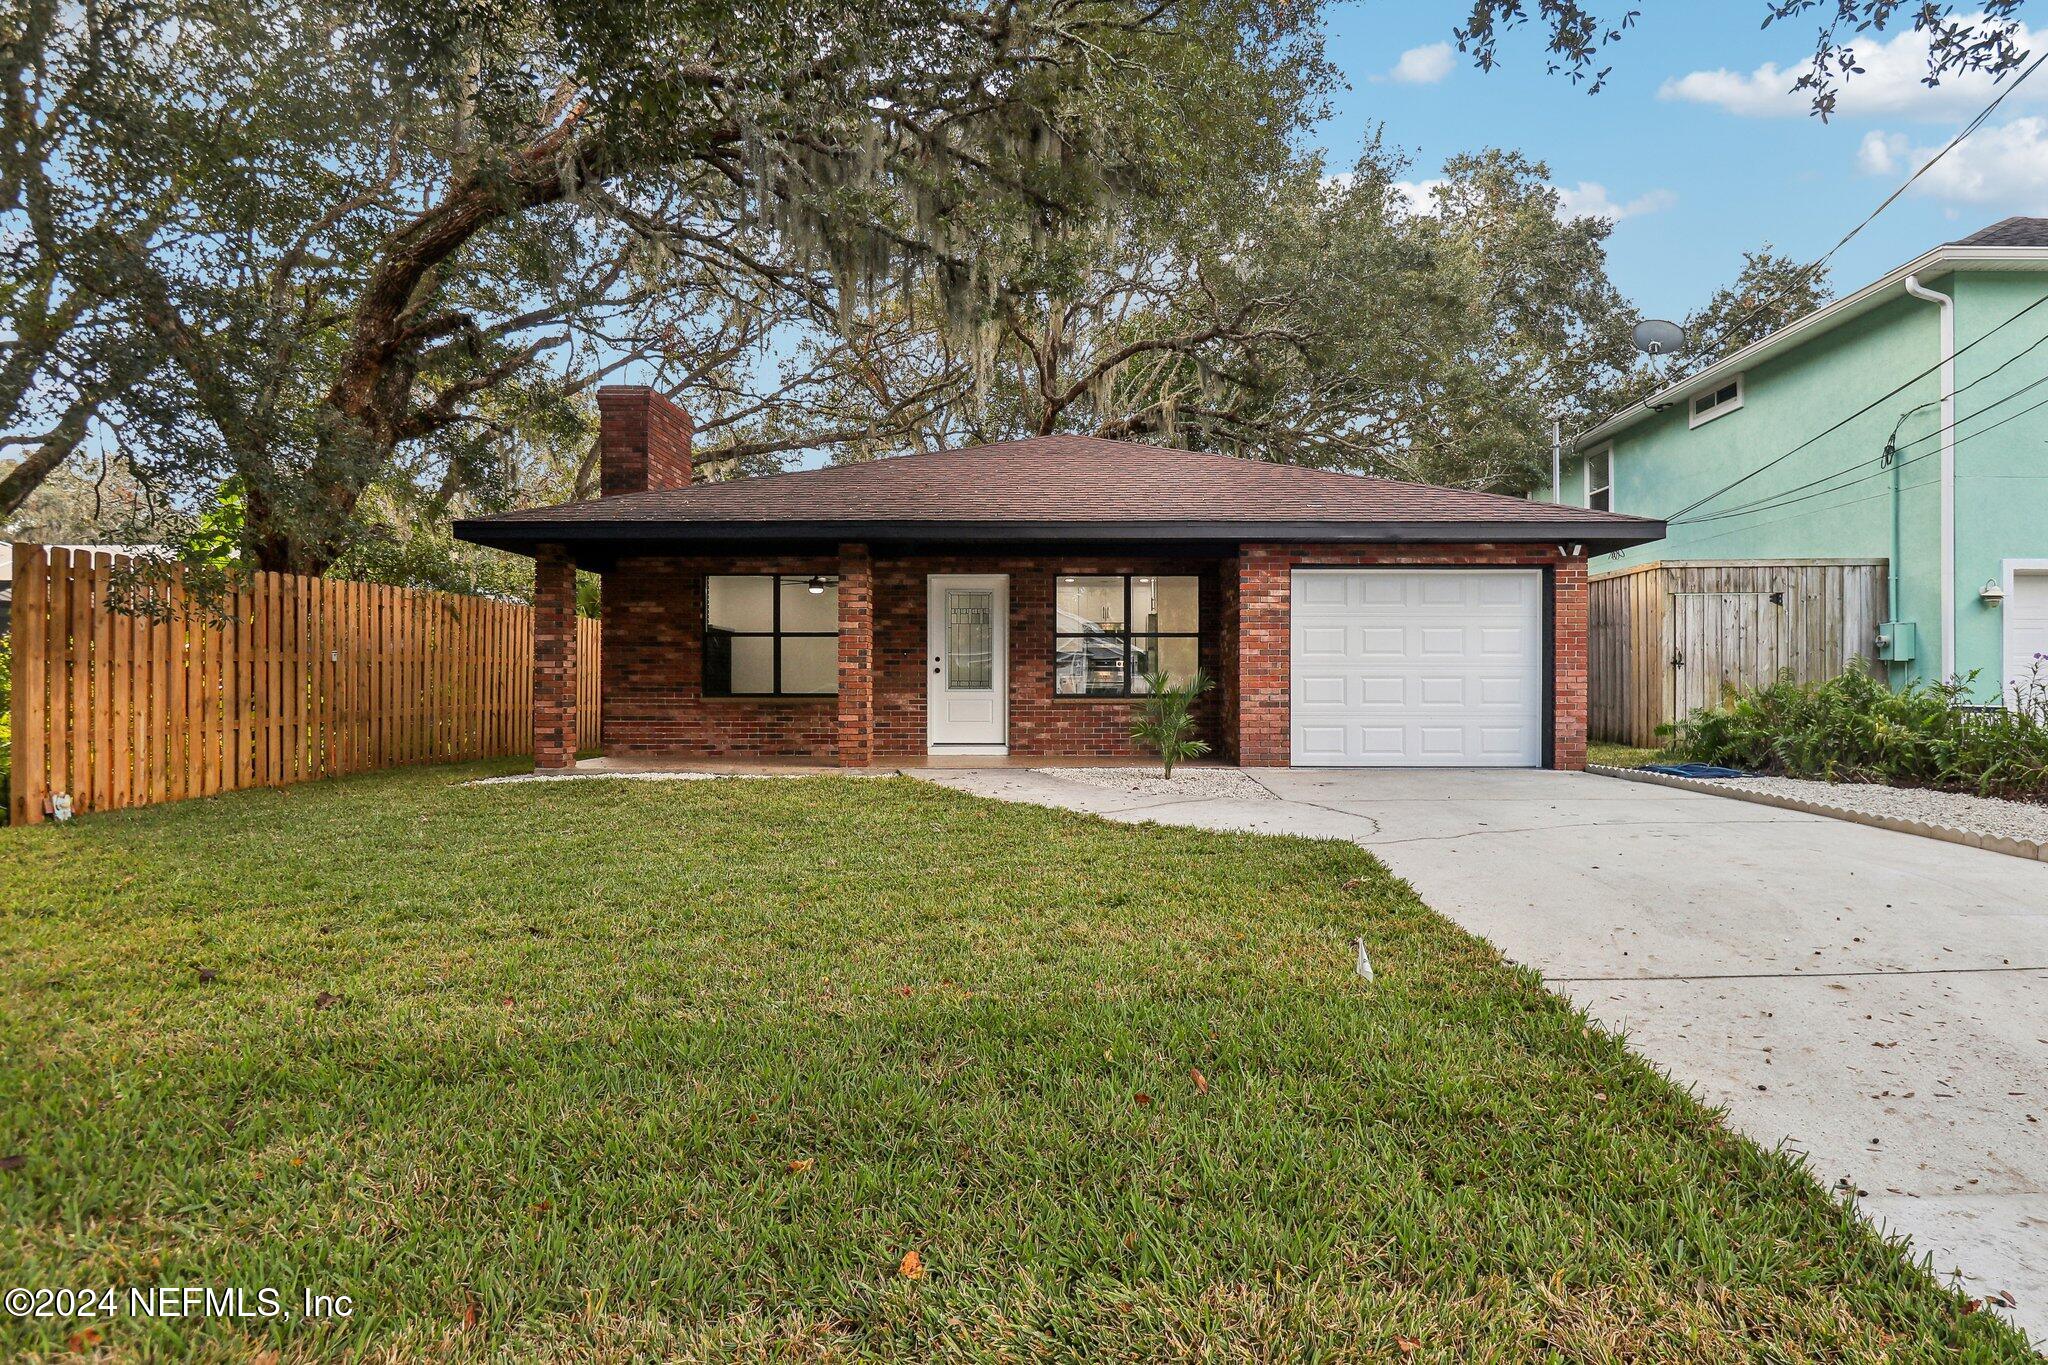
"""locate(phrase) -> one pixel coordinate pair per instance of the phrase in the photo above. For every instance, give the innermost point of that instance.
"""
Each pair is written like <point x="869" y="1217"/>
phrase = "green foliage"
<point x="1854" y="729"/>
<point x="618" y="1071"/>
<point x="1166" y="718"/>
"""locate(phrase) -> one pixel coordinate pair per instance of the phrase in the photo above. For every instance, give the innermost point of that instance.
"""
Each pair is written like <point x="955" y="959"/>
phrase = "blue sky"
<point x="1693" y="144"/>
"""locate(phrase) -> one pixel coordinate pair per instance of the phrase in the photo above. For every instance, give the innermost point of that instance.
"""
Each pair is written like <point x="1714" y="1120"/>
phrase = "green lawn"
<point x="598" y="1070"/>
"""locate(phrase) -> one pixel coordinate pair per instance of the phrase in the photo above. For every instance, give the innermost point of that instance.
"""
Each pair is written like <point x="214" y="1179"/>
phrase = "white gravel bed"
<point x="1186" y="784"/>
<point x="1956" y="810"/>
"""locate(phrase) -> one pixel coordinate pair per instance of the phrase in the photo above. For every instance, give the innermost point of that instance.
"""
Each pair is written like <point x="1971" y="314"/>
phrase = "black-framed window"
<point x="771" y="635"/>
<point x="1111" y="630"/>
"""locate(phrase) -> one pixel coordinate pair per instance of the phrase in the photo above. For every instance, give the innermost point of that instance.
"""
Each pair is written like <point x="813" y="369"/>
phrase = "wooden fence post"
<point x="29" y="782"/>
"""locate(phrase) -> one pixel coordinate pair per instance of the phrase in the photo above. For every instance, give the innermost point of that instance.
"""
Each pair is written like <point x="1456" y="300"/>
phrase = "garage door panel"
<point x="1500" y="691"/>
<point x="1321" y="642"/>
<point x="1320" y="739"/>
<point x="1499" y="590"/>
<point x="1372" y="592"/>
<point x="1380" y="642"/>
<point x="1441" y="691"/>
<point x="1328" y="690"/>
<point x="1326" y="592"/>
<point x="1384" y="742"/>
<point x="1418" y="667"/>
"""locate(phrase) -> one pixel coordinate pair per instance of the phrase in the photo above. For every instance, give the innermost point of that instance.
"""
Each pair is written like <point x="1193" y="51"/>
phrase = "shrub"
<point x="1166" y="720"/>
<point x="1855" y="729"/>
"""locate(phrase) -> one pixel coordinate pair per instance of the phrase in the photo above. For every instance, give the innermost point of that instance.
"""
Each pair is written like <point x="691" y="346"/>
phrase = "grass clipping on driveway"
<point x="596" y="1069"/>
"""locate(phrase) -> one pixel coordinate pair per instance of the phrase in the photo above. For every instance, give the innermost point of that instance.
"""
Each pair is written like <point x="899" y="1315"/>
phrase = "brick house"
<point x="1013" y="598"/>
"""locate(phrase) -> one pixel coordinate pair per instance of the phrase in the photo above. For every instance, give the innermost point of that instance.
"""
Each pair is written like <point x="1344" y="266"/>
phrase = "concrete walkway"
<point x="1874" y="1000"/>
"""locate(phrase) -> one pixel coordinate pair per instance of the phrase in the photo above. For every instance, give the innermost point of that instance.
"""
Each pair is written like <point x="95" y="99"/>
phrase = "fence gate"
<point x="1666" y="639"/>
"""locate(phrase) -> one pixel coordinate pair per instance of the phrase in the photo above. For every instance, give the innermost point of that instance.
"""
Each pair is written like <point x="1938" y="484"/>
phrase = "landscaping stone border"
<point x="1994" y="843"/>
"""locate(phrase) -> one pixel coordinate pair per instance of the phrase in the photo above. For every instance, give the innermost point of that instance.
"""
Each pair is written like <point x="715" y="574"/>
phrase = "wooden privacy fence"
<point x="289" y="679"/>
<point x="1664" y="640"/>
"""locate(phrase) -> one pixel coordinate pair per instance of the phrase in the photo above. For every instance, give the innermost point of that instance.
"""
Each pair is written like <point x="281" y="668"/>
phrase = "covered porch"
<point x="792" y="655"/>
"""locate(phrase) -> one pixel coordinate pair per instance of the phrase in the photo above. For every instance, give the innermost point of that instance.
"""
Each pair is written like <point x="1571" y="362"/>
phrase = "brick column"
<point x="554" y="658"/>
<point x="1263" y="609"/>
<point x="1568" y="640"/>
<point x="856" y="657"/>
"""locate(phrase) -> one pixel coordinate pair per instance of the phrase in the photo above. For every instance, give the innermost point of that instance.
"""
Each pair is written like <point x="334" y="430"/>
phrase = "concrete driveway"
<point x="1875" y="1000"/>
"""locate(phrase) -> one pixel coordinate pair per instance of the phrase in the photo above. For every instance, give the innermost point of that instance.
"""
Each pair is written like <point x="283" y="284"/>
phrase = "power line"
<point x="1773" y="498"/>
<point x="1806" y="272"/>
<point x="1697" y="503"/>
<point x="1972" y="126"/>
<point x="1865" y="478"/>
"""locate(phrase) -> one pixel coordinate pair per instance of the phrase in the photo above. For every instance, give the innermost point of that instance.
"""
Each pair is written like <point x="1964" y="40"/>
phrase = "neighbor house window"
<point x="770" y="635"/>
<point x="1114" y="629"/>
<point x="1722" y="401"/>
<point x="1600" y="479"/>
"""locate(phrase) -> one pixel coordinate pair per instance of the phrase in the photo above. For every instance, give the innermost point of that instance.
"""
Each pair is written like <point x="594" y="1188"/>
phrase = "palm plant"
<point x="1166" y="721"/>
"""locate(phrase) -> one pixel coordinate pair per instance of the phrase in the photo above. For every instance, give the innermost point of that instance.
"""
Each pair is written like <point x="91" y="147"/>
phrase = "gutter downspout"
<point x="1557" y="460"/>
<point x="1948" y="469"/>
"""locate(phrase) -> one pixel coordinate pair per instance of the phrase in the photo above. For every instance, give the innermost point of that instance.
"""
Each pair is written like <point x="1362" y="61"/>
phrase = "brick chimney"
<point x="643" y="441"/>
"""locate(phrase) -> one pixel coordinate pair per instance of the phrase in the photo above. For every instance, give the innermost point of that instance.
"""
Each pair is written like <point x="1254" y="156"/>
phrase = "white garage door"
<point x="1418" y="667"/>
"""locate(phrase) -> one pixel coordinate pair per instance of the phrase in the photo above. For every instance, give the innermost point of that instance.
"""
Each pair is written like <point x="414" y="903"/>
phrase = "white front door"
<point x="968" y="659"/>
<point x="2026" y="636"/>
<point x="1406" y="668"/>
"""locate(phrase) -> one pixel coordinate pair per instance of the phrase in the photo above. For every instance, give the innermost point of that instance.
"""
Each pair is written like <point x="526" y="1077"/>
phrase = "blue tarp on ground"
<point x="1692" y="770"/>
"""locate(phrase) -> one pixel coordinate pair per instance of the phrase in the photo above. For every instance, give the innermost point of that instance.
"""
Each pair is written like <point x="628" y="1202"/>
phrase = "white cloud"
<point x="1589" y="199"/>
<point x="1880" y="153"/>
<point x="2006" y="165"/>
<point x="1418" y="196"/>
<point x="1890" y="84"/>
<point x="1422" y="65"/>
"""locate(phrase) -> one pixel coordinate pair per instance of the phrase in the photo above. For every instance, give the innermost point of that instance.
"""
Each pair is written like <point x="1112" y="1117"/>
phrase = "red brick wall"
<point x="654" y="668"/>
<point x="643" y="441"/>
<point x="1264" y="587"/>
<point x="1041" y="723"/>
<point x="1568" y="638"/>
<point x="653" y="638"/>
<point x="856" y="656"/>
<point x="554" y="658"/>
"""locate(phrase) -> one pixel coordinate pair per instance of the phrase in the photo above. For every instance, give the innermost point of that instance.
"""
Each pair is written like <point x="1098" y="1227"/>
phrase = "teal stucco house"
<point x="1906" y="423"/>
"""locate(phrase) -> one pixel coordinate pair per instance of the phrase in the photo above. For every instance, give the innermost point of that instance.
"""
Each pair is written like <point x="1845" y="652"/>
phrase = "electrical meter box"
<point x="1896" y="642"/>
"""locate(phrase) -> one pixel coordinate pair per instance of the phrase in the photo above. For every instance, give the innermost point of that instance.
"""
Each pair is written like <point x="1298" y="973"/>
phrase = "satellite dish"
<point x="1655" y="338"/>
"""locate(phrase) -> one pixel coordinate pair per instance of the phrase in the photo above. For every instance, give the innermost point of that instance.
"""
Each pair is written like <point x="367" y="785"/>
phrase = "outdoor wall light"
<point x="1991" y="594"/>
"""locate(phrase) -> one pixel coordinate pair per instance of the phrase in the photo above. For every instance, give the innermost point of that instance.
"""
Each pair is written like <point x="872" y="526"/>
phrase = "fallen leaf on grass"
<point x="802" y="1164"/>
<point x="1201" y="1081"/>
<point x="1142" y="1098"/>
<point x="13" y="1162"/>
<point x="325" y="1000"/>
<point x="472" y="1313"/>
<point x="207" y="974"/>
<point x="912" y="1267"/>
<point x="81" y="1342"/>
<point x="1407" y="1346"/>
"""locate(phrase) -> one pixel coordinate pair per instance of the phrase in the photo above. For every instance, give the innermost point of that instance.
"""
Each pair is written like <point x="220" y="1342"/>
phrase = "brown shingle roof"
<point x="1057" y="487"/>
